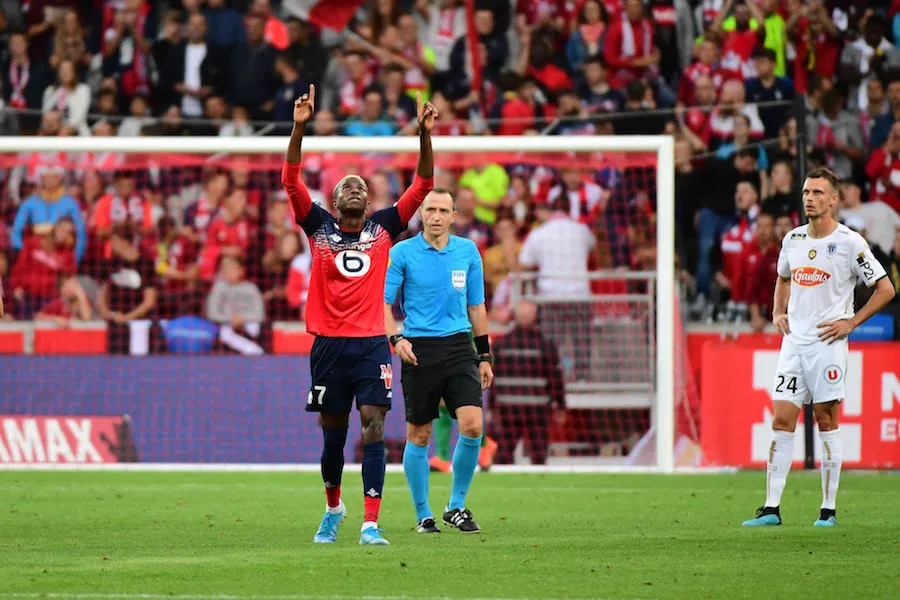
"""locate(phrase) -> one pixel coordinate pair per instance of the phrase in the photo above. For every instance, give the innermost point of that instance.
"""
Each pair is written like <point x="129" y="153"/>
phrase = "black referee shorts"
<point x="448" y="369"/>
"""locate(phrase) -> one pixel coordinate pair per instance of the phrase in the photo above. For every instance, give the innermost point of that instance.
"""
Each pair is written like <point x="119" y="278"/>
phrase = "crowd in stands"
<point x="90" y="236"/>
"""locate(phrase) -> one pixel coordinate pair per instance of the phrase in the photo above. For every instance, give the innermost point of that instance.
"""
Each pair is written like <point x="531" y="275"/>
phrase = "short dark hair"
<point x="825" y="173"/>
<point x="441" y="190"/>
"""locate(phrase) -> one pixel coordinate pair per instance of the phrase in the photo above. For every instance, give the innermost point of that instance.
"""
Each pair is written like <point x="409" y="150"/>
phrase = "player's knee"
<point x="420" y="435"/>
<point x="826" y="419"/>
<point x="372" y="427"/>
<point x="470" y="427"/>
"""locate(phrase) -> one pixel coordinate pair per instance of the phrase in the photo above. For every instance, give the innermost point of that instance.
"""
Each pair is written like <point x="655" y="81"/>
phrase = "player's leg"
<point x="372" y="380"/>
<point x="443" y="427"/>
<point x="332" y="399"/>
<point x="827" y="418"/>
<point x="829" y="366"/>
<point x="463" y="397"/>
<point x="421" y="395"/>
<point x="789" y="392"/>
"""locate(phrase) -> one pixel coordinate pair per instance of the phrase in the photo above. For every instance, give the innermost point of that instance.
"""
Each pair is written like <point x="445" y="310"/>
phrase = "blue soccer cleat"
<point x="826" y="518"/>
<point x="371" y="536"/>
<point x="766" y="516"/>
<point x="327" y="533"/>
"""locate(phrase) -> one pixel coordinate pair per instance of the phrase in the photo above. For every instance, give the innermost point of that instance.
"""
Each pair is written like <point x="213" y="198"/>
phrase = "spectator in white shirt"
<point x="560" y="249"/>
<point x="69" y="97"/>
<point x="881" y="221"/>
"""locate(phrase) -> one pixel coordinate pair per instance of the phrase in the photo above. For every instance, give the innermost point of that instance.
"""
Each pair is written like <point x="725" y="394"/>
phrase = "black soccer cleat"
<point x="462" y="520"/>
<point x="427" y="525"/>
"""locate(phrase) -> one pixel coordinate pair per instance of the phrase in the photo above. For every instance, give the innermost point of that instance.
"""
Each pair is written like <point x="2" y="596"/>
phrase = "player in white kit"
<point x="818" y="268"/>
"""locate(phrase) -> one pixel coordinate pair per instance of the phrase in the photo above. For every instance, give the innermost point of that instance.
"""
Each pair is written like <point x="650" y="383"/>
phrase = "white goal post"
<point x="663" y="146"/>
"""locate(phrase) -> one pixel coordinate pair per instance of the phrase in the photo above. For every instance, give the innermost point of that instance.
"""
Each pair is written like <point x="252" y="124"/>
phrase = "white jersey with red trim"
<point x="824" y="272"/>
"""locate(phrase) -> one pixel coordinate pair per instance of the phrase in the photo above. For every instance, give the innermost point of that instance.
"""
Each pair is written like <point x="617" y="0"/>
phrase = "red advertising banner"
<point x="736" y="412"/>
<point x="64" y="440"/>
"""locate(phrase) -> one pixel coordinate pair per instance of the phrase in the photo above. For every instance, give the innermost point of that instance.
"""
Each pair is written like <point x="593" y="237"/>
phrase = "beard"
<point x="353" y="211"/>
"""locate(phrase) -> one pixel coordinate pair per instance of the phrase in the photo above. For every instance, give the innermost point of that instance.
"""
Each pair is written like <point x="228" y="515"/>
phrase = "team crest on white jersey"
<point x="458" y="278"/>
<point x="812" y="253"/>
<point x="830" y="249"/>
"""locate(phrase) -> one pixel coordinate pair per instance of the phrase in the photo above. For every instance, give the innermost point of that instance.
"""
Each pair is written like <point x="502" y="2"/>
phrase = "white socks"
<point x="368" y="524"/>
<point x="781" y="453"/>
<point x="831" y="466"/>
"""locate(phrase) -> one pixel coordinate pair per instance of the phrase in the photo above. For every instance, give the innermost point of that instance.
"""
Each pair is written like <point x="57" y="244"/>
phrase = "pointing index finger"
<point x="312" y="94"/>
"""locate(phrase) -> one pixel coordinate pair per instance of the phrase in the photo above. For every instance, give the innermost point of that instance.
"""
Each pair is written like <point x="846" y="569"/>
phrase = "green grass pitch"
<point x="155" y="535"/>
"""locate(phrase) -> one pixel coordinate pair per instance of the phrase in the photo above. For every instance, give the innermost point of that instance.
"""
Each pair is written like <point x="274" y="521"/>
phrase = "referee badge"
<point x="458" y="278"/>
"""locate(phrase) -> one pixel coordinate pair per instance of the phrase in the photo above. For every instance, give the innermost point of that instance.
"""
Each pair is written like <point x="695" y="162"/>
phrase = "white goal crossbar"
<point x="662" y="146"/>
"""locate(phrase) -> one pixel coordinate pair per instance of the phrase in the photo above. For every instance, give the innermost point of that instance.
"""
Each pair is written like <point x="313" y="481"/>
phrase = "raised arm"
<point x="424" y="181"/>
<point x="299" y="199"/>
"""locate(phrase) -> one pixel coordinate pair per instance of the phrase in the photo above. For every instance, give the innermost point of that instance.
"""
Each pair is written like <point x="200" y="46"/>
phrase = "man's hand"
<point x="835" y="330"/>
<point x="405" y="352"/>
<point x="781" y="324"/>
<point x="304" y="106"/>
<point x="487" y="374"/>
<point x="427" y="113"/>
<point x="117" y="317"/>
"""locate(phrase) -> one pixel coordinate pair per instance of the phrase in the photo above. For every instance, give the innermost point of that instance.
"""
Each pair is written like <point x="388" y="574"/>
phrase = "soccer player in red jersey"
<point x="350" y="356"/>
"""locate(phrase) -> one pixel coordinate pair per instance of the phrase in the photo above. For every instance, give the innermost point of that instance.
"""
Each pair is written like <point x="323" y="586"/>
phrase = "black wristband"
<point x="483" y="344"/>
<point x="396" y="338"/>
<point x="485" y="358"/>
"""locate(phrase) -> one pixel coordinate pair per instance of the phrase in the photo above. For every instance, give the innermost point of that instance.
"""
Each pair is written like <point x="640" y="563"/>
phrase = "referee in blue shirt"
<point x="441" y="283"/>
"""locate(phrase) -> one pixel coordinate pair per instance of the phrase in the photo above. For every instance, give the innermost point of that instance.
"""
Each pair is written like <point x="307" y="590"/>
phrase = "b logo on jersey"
<point x="352" y="263"/>
<point x="809" y="276"/>
<point x="833" y="374"/>
<point x="812" y="254"/>
<point x="387" y="375"/>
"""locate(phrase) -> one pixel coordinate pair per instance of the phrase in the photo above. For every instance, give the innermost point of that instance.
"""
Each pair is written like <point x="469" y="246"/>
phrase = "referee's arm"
<point x="478" y="316"/>
<point x="393" y="283"/>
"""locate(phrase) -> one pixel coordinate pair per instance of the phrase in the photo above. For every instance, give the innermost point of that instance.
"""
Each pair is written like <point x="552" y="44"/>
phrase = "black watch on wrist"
<point x="485" y="358"/>
<point x="396" y="338"/>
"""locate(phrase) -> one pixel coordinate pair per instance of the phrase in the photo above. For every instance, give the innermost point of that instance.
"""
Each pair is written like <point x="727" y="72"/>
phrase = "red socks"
<point x="333" y="496"/>
<point x="373" y="505"/>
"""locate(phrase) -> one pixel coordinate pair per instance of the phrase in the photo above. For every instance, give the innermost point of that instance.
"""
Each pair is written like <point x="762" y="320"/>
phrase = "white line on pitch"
<point x="127" y="596"/>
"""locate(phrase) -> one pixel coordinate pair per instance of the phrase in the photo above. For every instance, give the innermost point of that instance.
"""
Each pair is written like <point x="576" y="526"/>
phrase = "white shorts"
<point x="810" y="373"/>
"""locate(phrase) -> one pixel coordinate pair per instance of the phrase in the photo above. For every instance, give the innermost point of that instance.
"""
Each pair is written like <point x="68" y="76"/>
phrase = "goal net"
<point x="157" y="289"/>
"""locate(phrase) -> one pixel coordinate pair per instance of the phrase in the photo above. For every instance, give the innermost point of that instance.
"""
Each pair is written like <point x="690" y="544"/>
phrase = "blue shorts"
<point x="346" y="368"/>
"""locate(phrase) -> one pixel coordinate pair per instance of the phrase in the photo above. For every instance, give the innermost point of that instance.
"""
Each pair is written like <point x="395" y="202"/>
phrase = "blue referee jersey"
<point x="437" y="285"/>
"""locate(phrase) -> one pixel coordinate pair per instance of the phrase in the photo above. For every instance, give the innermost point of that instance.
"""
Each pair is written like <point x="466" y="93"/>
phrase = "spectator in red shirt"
<point x="817" y="42"/>
<point x="43" y="259"/>
<point x="734" y="242"/>
<point x="200" y="214"/>
<point x="722" y="118"/>
<point x="738" y="44"/>
<point x="761" y="271"/>
<point x="72" y="304"/>
<point x="228" y="235"/>
<point x="883" y="170"/>
<point x="628" y="48"/>
<point x="126" y="205"/>
<point x="175" y="258"/>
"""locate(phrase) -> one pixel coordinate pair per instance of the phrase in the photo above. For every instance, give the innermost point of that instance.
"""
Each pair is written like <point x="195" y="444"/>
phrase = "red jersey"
<point x="760" y="272"/>
<point x="884" y="171"/>
<point x="733" y="245"/>
<point x="179" y="254"/>
<point x="346" y="284"/>
<point x="737" y="47"/>
<point x="220" y="235"/>
<point x="37" y="270"/>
